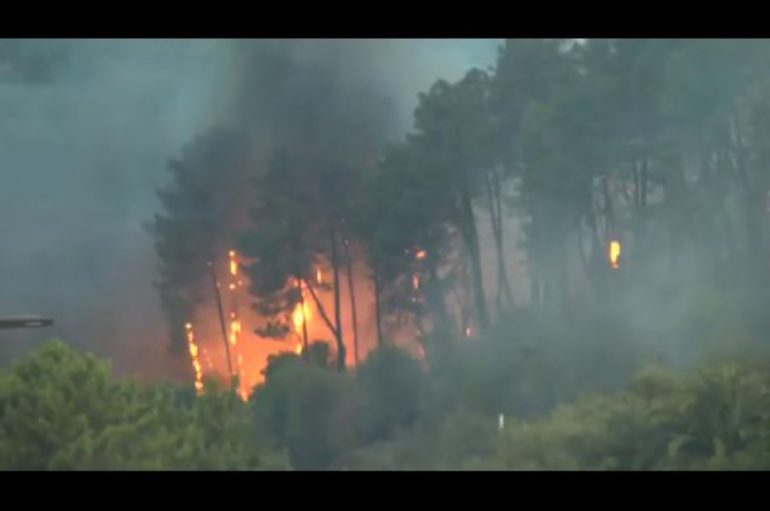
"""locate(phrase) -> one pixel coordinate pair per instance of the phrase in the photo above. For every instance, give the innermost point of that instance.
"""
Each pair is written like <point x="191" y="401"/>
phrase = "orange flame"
<point x="233" y="263"/>
<point x="299" y="316"/>
<point x="614" y="254"/>
<point x="235" y="329"/>
<point x="193" y="348"/>
<point x="318" y="275"/>
<point x="421" y="254"/>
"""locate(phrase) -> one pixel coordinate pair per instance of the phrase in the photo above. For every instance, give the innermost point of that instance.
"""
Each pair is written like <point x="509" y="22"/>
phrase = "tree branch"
<point x="320" y="308"/>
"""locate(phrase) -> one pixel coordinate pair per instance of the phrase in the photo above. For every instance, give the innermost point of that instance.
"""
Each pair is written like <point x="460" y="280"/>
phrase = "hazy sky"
<point x="84" y="139"/>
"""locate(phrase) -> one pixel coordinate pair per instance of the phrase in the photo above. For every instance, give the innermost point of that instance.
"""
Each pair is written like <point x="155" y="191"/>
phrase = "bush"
<point x="717" y="418"/>
<point x="60" y="410"/>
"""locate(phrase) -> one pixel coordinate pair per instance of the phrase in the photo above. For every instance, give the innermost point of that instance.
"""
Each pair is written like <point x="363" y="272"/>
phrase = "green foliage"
<point x="60" y="410"/>
<point x="318" y="414"/>
<point x="715" y="419"/>
<point x="188" y="233"/>
<point x="297" y="409"/>
<point x="391" y="384"/>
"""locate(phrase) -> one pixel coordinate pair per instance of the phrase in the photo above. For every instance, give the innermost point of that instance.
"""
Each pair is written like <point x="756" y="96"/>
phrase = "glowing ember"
<point x="421" y="254"/>
<point x="318" y="275"/>
<point x="235" y="330"/>
<point x="416" y="281"/>
<point x="299" y="316"/>
<point x="614" y="254"/>
<point x="467" y="331"/>
<point x="233" y="263"/>
<point x="193" y="348"/>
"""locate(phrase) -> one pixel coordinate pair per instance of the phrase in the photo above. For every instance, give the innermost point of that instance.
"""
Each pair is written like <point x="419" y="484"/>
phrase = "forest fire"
<point x="241" y="329"/>
<point x="614" y="254"/>
<point x="193" y="348"/>
<point x="229" y="328"/>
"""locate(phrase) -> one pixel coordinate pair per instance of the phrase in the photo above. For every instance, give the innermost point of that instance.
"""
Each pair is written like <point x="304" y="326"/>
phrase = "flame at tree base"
<point x="614" y="254"/>
<point x="250" y="351"/>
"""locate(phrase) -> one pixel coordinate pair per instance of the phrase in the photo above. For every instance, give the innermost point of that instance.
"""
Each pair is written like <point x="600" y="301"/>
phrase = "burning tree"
<point x="193" y="228"/>
<point x="280" y="245"/>
<point x="300" y="225"/>
<point x="402" y="225"/>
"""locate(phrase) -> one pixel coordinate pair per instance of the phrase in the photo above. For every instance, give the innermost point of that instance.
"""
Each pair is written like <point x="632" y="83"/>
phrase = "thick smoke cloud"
<point x="86" y="128"/>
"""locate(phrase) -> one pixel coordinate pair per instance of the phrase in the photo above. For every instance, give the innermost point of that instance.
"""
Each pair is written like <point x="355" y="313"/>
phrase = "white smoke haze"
<point x="86" y="129"/>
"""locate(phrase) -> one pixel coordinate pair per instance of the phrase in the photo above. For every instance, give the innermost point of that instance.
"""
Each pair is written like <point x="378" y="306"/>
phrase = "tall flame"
<point x="193" y="348"/>
<point x="614" y="254"/>
<point x="235" y="329"/>
<point x="235" y="326"/>
<point x="301" y="313"/>
<point x="233" y="263"/>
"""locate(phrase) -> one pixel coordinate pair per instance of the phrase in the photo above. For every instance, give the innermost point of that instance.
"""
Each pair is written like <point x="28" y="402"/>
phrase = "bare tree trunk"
<point x="471" y="239"/>
<point x="377" y="308"/>
<point x="753" y="204"/>
<point x="221" y="313"/>
<point x="352" y="292"/>
<point x="341" y="351"/>
<point x="495" y="213"/>
<point x="503" y="267"/>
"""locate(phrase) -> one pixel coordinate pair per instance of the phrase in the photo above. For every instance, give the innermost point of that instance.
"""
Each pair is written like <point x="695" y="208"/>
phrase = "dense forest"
<point x="639" y="172"/>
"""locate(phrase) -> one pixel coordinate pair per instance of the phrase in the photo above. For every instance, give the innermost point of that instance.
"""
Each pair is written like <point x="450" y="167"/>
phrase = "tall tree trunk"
<point x="341" y="351"/>
<point x="495" y="213"/>
<point x="377" y="307"/>
<point x="221" y="313"/>
<point x="472" y="243"/>
<point x="352" y="293"/>
<point x="753" y="209"/>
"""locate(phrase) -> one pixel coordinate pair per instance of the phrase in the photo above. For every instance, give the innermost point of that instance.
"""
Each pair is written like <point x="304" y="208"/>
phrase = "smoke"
<point x="86" y="129"/>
